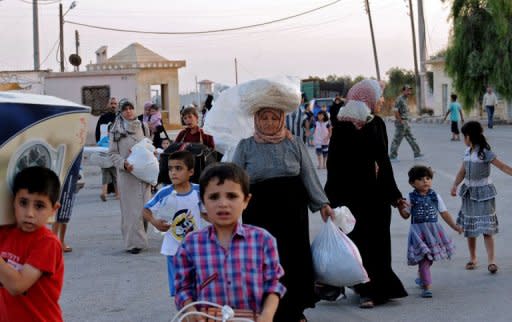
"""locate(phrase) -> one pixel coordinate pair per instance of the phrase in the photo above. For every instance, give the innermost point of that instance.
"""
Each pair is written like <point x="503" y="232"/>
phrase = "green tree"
<point x="480" y="50"/>
<point x="397" y="78"/>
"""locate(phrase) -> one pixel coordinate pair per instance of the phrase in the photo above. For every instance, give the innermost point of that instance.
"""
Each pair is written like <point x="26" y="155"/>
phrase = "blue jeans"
<point x="490" y="115"/>
<point x="171" y="273"/>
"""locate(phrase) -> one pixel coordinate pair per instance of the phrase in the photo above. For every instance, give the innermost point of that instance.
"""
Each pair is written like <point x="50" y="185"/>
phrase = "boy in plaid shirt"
<point x="228" y="263"/>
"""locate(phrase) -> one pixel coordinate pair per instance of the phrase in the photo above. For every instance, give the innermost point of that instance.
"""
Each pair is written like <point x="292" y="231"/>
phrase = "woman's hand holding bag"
<point x="336" y="259"/>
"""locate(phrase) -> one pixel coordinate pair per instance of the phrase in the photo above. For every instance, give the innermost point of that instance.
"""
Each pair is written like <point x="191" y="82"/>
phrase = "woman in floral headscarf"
<point x="360" y="176"/>
<point x="284" y="184"/>
<point x="134" y="193"/>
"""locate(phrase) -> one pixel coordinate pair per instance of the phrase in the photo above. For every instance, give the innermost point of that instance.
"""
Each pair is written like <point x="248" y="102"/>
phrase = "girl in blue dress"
<point x="477" y="213"/>
<point x="427" y="240"/>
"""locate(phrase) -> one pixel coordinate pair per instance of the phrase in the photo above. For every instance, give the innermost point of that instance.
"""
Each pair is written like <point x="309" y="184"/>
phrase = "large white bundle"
<point x="145" y="164"/>
<point x="227" y="122"/>
<point x="336" y="259"/>
<point x="231" y="117"/>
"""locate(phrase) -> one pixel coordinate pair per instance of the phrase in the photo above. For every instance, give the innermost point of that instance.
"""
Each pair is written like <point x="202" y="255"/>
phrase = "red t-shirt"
<point x="42" y="250"/>
<point x="186" y="136"/>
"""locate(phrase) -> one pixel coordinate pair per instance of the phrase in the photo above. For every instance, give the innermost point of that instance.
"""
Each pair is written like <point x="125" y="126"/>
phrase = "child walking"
<point x="477" y="214"/>
<point x="455" y="112"/>
<point x="175" y="209"/>
<point x="31" y="260"/>
<point x="229" y="263"/>
<point x="427" y="242"/>
<point x="321" y="138"/>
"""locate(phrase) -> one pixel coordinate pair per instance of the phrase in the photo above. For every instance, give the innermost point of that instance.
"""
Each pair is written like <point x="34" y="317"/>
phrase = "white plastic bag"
<point x="336" y="259"/>
<point x="145" y="164"/>
<point x="344" y="219"/>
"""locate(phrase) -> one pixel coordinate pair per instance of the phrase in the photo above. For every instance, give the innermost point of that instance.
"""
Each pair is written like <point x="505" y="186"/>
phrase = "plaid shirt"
<point x="238" y="277"/>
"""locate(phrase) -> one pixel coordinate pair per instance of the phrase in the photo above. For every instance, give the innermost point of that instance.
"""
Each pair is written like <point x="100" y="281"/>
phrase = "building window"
<point x="97" y="98"/>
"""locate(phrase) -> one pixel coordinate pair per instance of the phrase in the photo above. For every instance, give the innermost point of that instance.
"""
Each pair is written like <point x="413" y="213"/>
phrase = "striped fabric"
<point x="239" y="277"/>
<point x="478" y="210"/>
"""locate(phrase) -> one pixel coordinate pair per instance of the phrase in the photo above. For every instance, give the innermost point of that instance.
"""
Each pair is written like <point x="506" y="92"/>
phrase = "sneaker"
<point x="426" y="294"/>
<point x="394" y="160"/>
<point x="419" y="157"/>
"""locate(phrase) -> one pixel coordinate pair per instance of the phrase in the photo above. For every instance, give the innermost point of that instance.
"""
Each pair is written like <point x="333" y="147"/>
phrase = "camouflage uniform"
<point x="402" y="129"/>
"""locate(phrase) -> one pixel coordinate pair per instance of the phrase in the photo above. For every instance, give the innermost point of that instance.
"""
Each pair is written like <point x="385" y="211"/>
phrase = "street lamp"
<point x="61" y="35"/>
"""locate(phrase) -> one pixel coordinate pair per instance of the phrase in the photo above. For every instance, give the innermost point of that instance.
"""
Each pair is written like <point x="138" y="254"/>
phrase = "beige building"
<point x="443" y="88"/>
<point x="131" y="74"/>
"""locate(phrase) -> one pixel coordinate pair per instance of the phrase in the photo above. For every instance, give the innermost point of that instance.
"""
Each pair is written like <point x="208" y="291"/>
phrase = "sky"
<point x="333" y="40"/>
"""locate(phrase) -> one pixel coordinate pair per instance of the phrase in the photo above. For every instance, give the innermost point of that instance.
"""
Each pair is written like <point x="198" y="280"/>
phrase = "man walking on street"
<point x="402" y="128"/>
<point x="490" y="101"/>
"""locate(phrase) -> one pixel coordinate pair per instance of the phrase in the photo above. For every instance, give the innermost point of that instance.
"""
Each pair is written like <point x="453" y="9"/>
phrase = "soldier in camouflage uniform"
<point x="402" y="127"/>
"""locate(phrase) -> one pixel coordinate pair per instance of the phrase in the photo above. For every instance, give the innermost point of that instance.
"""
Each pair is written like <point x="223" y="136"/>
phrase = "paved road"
<point x="103" y="283"/>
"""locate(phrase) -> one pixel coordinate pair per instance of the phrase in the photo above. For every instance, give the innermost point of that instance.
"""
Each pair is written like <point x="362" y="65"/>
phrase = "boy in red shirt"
<point x="31" y="262"/>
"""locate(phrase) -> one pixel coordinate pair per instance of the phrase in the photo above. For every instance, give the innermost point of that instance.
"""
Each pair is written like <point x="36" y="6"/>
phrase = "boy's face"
<point x="165" y="144"/>
<point x="32" y="210"/>
<point x="422" y="185"/>
<point x="178" y="172"/>
<point x="190" y="120"/>
<point x="224" y="203"/>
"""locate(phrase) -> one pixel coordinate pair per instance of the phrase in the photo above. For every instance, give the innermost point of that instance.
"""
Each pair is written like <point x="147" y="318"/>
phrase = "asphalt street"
<point x="104" y="283"/>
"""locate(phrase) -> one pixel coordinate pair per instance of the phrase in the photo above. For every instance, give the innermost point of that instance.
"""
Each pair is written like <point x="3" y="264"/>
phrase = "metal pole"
<point x="423" y="49"/>
<point x="416" y="73"/>
<point x="236" y="72"/>
<point x="35" y="21"/>
<point x="61" y="37"/>
<point x="373" y="40"/>
<point x="77" y="44"/>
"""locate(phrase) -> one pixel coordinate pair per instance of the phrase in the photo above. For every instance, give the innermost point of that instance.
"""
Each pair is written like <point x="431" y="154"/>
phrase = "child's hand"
<point x="264" y="318"/>
<point x="161" y="225"/>
<point x="459" y="229"/>
<point x="453" y="191"/>
<point x="128" y="167"/>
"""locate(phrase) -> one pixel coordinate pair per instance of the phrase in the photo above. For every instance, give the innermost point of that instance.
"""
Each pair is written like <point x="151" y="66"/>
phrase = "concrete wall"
<point x="31" y="81"/>
<point x="69" y="86"/>
<point x="148" y="77"/>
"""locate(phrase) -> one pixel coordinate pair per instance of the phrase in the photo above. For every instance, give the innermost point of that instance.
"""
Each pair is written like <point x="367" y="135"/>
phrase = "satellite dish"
<point x="75" y="60"/>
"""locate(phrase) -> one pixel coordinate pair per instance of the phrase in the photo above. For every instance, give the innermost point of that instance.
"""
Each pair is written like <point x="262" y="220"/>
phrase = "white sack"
<point x="145" y="164"/>
<point x="226" y="122"/>
<point x="344" y="219"/>
<point x="336" y="259"/>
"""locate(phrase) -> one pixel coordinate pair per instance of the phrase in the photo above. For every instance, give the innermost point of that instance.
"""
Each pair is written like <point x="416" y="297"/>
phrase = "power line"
<point x="40" y="2"/>
<point x="51" y="50"/>
<point x="204" y="31"/>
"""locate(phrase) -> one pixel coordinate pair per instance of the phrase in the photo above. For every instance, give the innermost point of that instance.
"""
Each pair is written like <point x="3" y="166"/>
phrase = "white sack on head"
<point x="356" y="112"/>
<point x="226" y="122"/>
<point x="280" y="93"/>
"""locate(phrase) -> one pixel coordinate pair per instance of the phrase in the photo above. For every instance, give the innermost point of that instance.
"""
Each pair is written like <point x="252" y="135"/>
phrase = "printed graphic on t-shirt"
<point x="182" y="223"/>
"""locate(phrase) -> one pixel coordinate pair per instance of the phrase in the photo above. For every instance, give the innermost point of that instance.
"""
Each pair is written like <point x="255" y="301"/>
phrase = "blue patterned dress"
<point x="478" y="211"/>
<point x="427" y="238"/>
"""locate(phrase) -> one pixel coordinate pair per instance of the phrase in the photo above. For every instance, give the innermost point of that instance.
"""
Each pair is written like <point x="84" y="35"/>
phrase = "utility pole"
<point x="236" y="72"/>
<point x="35" y="22"/>
<point x="416" y="73"/>
<point x="423" y="50"/>
<point x="77" y="45"/>
<point x="367" y="5"/>
<point x="61" y="37"/>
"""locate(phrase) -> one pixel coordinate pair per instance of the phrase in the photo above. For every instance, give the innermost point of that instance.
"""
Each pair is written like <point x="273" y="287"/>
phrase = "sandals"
<point x="471" y="265"/>
<point x="103" y="197"/>
<point x="492" y="268"/>
<point x="366" y="303"/>
<point x="67" y="249"/>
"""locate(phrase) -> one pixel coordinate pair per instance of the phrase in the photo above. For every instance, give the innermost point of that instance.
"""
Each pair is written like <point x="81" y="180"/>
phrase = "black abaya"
<point x="352" y="181"/>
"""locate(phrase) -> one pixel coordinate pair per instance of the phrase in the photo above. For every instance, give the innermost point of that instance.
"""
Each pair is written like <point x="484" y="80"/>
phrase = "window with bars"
<point x="97" y="98"/>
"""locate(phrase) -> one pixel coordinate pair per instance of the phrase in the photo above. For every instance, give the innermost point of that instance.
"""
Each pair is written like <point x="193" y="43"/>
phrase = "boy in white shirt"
<point x="175" y="209"/>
